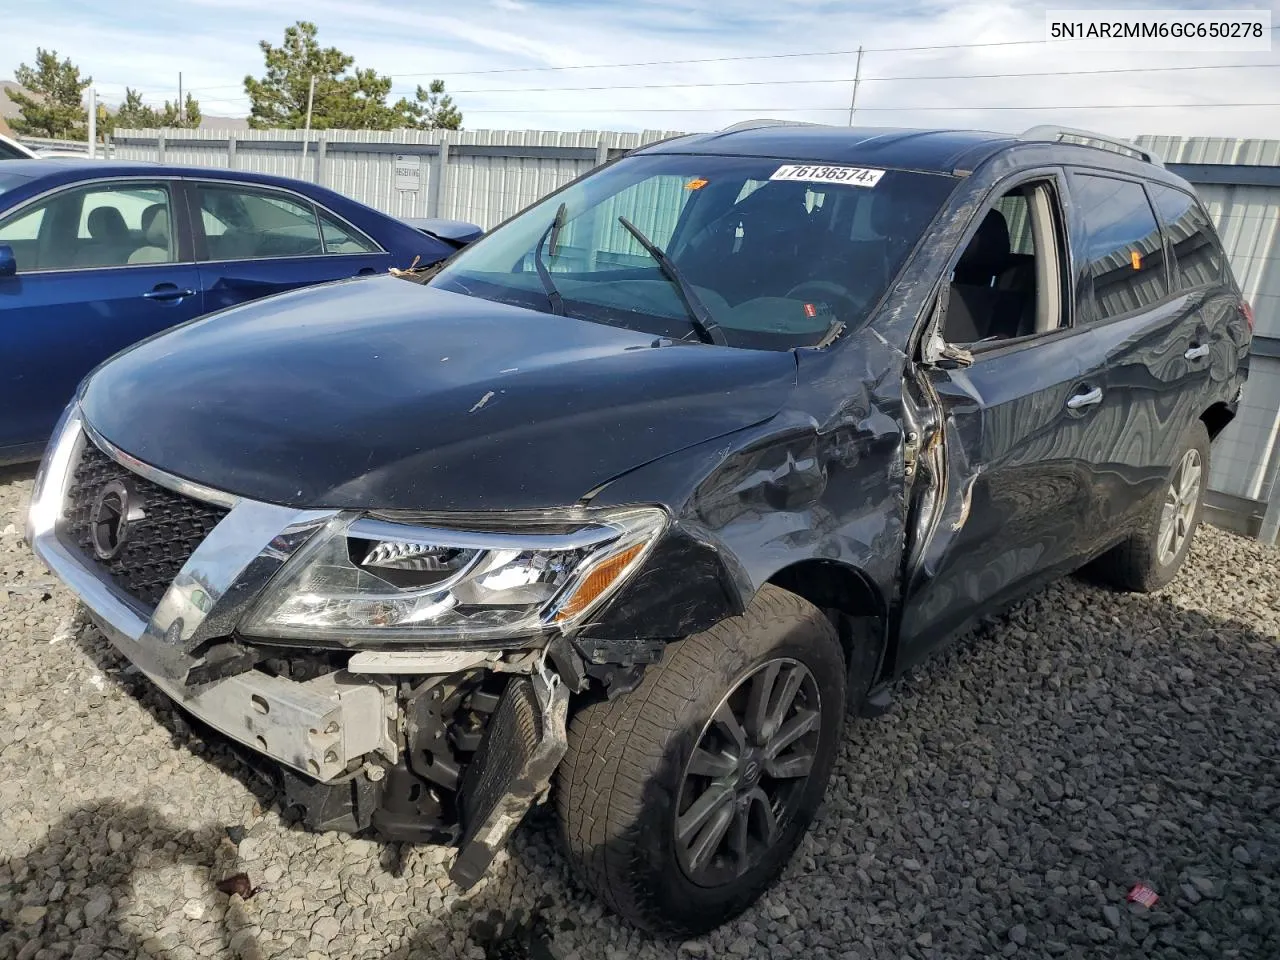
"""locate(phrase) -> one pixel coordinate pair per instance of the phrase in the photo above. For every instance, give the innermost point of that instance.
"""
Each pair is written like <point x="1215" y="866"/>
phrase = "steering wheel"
<point x="826" y="291"/>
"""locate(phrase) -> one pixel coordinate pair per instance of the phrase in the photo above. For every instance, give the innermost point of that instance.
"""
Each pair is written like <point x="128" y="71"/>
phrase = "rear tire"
<point x="1151" y="558"/>
<point x="641" y="770"/>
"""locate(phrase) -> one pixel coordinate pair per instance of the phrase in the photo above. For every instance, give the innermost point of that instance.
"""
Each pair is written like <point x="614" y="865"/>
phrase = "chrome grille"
<point x="158" y="543"/>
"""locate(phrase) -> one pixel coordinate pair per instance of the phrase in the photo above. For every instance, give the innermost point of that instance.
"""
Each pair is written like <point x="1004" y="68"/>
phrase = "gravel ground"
<point x="1021" y="785"/>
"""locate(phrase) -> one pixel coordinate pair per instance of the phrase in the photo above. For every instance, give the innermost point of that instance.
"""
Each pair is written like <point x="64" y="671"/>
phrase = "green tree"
<point x="345" y="96"/>
<point x="430" y="109"/>
<point x="134" y="114"/>
<point x="54" y="105"/>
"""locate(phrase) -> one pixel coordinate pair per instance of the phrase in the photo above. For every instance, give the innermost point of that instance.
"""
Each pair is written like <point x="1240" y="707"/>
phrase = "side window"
<point x="10" y="152"/>
<point x="102" y="225"/>
<point x="247" y="223"/>
<point x="1007" y="281"/>
<point x="341" y="238"/>
<point x="1196" y="252"/>
<point x="1123" y="256"/>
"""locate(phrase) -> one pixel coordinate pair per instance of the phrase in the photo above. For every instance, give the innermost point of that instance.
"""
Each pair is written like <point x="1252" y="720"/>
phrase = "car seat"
<point x="110" y="243"/>
<point x="155" y="230"/>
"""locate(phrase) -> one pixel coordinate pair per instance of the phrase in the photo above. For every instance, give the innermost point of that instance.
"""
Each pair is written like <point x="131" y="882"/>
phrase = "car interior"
<point x="244" y="225"/>
<point x="92" y="228"/>
<point x="1006" y="283"/>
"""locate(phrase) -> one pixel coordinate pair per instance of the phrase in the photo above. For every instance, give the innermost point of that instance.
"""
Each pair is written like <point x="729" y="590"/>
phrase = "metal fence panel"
<point x="1246" y="458"/>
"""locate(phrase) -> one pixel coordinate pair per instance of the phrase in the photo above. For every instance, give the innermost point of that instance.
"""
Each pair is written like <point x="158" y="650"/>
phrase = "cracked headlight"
<point x="365" y="579"/>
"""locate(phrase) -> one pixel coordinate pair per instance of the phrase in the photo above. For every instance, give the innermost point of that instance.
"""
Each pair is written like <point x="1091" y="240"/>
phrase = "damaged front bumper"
<point x="460" y="750"/>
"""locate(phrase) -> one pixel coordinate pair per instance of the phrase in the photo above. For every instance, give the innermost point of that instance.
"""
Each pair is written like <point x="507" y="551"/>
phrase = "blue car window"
<point x="98" y="225"/>
<point x="247" y="223"/>
<point x="341" y="238"/>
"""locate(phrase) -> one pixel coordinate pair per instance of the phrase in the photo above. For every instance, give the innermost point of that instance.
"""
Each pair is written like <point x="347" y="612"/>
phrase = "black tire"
<point x="1136" y="564"/>
<point x="618" y="788"/>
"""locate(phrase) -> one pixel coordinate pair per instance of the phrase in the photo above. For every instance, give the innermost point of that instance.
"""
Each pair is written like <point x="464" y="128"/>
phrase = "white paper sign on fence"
<point x="408" y="175"/>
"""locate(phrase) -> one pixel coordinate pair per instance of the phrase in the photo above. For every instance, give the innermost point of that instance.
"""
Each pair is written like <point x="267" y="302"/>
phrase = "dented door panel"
<point x="1016" y="490"/>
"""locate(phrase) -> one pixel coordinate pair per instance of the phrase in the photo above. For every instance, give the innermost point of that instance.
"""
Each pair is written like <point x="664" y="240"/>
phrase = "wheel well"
<point x="849" y="597"/>
<point x="1216" y="418"/>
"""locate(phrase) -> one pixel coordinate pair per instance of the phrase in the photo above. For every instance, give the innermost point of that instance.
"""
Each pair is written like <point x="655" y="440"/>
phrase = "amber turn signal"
<point x="600" y="579"/>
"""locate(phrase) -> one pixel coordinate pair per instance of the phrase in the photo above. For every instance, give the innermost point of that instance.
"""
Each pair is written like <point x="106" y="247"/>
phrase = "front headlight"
<point x="365" y="579"/>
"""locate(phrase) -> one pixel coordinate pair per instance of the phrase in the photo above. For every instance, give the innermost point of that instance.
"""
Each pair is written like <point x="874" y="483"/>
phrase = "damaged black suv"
<point x="631" y="501"/>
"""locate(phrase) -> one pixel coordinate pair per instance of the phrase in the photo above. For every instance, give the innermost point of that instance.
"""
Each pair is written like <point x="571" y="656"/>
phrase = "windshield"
<point x="777" y="252"/>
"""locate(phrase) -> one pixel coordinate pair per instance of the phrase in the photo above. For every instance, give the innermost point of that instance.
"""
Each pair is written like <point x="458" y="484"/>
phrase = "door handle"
<point x="1086" y="399"/>
<point x="1198" y="352"/>
<point x="169" y="293"/>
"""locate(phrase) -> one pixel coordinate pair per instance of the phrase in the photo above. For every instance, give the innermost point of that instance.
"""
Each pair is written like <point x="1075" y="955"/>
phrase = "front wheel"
<point x="681" y="802"/>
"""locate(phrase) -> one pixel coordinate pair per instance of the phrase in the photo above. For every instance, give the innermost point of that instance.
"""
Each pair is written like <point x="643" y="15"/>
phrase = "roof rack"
<point x="759" y="124"/>
<point x="1088" y="138"/>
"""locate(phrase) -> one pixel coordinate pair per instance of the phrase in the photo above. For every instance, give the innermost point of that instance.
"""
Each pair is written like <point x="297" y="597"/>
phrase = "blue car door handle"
<point x="167" y="291"/>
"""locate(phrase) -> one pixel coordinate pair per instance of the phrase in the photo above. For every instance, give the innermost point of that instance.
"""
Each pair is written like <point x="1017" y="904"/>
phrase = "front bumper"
<point x="318" y="727"/>
<point x="353" y="747"/>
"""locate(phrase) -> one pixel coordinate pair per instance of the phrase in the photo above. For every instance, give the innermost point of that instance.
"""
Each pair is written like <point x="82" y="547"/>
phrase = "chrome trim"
<point x="591" y="534"/>
<point x="169" y="481"/>
<point x="228" y="571"/>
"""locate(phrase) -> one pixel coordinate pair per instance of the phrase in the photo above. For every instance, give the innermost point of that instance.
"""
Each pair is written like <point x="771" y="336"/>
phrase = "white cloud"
<point x="214" y="44"/>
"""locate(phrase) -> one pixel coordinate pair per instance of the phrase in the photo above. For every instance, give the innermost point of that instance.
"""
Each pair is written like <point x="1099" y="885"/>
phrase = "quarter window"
<point x="1196" y="253"/>
<point x="243" y="223"/>
<point x="341" y="238"/>
<point x="1123" y="254"/>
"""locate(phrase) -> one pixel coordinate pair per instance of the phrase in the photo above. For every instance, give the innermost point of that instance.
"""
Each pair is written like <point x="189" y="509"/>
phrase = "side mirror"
<point x="8" y="262"/>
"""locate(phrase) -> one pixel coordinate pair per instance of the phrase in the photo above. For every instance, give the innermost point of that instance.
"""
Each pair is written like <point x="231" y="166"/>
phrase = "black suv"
<point x="631" y="501"/>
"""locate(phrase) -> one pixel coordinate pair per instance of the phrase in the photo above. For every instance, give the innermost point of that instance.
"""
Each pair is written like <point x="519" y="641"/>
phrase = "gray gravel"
<point x="1020" y="787"/>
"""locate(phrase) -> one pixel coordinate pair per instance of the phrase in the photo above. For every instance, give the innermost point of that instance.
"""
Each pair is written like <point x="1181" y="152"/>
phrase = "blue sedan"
<point x="96" y="256"/>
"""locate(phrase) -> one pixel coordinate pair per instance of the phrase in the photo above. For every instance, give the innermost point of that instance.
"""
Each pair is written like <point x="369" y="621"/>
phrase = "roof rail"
<point x="1088" y="138"/>
<point x="759" y="124"/>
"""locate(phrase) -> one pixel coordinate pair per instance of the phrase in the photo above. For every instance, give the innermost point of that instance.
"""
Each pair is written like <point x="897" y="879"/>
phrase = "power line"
<point x="764" y="111"/>
<point x="846" y="80"/>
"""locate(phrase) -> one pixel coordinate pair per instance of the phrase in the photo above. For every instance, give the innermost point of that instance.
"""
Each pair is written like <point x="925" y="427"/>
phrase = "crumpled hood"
<point x="386" y="394"/>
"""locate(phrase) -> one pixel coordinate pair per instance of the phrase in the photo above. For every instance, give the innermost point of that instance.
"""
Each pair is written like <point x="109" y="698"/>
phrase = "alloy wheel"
<point x="747" y="773"/>
<point x="1179" y="507"/>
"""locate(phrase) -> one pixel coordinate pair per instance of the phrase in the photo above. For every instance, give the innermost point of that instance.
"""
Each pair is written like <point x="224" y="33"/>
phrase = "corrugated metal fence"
<point x="486" y="176"/>
<point x="1239" y="181"/>
<point x="482" y="177"/>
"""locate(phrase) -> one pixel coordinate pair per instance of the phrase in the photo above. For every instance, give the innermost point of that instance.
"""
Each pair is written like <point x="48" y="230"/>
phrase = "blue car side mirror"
<point x="8" y="262"/>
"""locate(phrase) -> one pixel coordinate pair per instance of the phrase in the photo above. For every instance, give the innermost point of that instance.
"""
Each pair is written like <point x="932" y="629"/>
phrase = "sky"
<point x="214" y="43"/>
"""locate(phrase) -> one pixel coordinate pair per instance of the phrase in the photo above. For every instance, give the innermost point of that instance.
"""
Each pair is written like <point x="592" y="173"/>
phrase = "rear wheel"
<point x="1149" y="559"/>
<point x="681" y="802"/>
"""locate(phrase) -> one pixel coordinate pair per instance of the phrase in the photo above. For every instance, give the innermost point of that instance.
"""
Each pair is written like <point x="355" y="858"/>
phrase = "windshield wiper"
<point x="704" y="324"/>
<point x="550" y="236"/>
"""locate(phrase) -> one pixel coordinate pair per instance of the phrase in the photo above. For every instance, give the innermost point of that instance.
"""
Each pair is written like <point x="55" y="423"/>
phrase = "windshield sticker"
<point x="696" y="184"/>
<point x="815" y="173"/>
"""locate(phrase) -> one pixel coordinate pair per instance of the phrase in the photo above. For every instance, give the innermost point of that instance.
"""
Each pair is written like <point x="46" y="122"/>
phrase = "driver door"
<point x="1014" y="504"/>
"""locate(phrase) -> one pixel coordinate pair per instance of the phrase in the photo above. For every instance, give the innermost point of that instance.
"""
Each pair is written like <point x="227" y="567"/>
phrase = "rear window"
<point x="1123" y="252"/>
<point x="1196" y="253"/>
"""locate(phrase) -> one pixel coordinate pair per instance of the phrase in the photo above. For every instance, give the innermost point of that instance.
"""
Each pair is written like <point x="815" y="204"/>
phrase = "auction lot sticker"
<point x="822" y="173"/>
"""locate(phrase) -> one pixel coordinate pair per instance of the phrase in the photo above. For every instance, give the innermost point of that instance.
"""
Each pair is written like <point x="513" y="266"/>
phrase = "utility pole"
<point x="857" y="78"/>
<point x="93" y="123"/>
<point x="306" y="130"/>
<point x="182" y="105"/>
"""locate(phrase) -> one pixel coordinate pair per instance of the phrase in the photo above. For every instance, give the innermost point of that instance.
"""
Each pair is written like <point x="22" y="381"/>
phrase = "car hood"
<point x="384" y="394"/>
